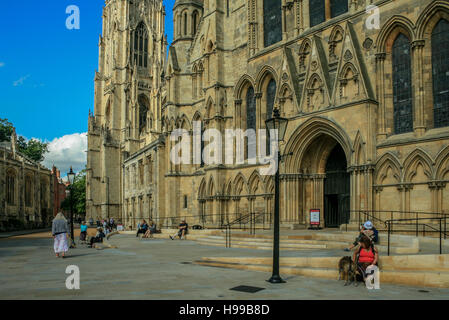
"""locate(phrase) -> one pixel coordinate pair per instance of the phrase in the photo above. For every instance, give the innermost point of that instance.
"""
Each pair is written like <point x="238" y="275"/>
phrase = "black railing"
<point x="242" y="221"/>
<point x="415" y="222"/>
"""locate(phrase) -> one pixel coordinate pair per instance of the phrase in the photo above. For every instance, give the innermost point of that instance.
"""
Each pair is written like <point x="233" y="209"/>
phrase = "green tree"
<point x="79" y="194"/>
<point x="5" y="130"/>
<point x="33" y="148"/>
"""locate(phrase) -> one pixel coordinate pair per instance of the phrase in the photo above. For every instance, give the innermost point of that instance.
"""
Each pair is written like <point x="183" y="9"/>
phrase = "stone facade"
<point x="333" y="79"/>
<point x="26" y="191"/>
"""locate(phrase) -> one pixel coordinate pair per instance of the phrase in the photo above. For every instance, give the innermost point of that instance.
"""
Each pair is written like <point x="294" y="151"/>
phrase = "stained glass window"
<point x="440" y="73"/>
<point x="317" y="12"/>
<point x="141" y="46"/>
<point x="402" y="85"/>
<point x="338" y="7"/>
<point x="272" y="22"/>
<point x="271" y="94"/>
<point x="143" y="110"/>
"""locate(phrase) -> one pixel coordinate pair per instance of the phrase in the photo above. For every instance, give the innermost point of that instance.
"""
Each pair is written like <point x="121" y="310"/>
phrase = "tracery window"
<point x="402" y="86"/>
<point x="140" y="55"/>
<point x="440" y="73"/>
<point x="272" y="22"/>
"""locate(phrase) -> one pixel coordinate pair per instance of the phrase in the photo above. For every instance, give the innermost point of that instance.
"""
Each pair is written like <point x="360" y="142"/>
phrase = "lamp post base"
<point x="276" y="279"/>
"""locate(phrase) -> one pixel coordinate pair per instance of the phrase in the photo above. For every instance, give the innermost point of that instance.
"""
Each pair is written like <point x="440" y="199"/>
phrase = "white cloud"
<point x="20" y="82"/>
<point x="2" y="64"/>
<point x="69" y="150"/>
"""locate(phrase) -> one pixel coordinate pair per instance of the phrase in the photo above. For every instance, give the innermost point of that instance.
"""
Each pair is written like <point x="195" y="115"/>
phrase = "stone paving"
<point x="162" y="269"/>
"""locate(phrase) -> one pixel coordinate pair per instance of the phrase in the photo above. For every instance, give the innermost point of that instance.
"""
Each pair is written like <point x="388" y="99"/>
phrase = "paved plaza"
<point x="163" y="269"/>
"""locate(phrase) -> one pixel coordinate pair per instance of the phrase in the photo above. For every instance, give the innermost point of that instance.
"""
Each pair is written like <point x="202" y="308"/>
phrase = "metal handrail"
<point x="414" y="221"/>
<point x="252" y="221"/>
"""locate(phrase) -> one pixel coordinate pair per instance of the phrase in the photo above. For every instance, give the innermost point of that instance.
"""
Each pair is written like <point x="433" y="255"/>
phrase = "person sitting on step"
<point x="367" y="230"/>
<point x="365" y="257"/>
<point x="183" y="230"/>
<point x="98" y="237"/>
<point x="151" y="230"/>
<point x="142" y="228"/>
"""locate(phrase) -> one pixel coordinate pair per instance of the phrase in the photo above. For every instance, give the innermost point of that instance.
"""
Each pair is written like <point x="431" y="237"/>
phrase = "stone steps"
<point x="424" y="270"/>
<point x="264" y="242"/>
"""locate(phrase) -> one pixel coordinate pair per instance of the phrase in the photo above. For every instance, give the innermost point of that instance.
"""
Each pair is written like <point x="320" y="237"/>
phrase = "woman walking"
<point x="60" y="230"/>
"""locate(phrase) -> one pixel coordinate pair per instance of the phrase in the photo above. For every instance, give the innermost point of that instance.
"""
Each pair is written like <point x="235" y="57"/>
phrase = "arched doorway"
<point x="336" y="189"/>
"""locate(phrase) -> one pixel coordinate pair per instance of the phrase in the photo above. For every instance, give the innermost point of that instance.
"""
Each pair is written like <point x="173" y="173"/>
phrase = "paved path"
<point x="161" y="269"/>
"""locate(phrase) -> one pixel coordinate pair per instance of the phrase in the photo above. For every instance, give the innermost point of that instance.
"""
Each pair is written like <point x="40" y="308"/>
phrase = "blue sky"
<point x="46" y="70"/>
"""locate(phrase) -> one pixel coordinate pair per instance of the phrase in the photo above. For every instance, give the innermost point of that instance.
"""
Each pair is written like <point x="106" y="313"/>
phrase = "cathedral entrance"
<point x="336" y="189"/>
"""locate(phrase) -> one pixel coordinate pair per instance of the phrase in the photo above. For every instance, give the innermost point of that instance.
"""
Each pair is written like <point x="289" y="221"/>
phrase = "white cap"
<point x="368" y="225"/>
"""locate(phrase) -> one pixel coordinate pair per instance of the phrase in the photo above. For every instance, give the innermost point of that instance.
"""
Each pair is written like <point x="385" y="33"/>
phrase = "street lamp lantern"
<point x="71" y="176"/>
<point x="279" y="124"/>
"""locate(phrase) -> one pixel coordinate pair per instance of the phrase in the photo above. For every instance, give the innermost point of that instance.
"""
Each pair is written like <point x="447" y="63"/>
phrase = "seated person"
<point x="151" y="230"/>
<point x="183" y="230"/>
<point x="142" y="228"/>
<point x="98" y="237"/>
<point x="367" y="230"/>
<point x="366" y="256"/>
<point x="83" y="233"/>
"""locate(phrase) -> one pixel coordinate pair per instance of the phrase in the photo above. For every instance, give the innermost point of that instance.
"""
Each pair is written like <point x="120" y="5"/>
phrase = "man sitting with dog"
<point x="367" y="230"/>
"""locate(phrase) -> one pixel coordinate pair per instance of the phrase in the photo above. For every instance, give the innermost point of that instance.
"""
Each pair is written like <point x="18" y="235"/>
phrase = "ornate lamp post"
<point x="279" y="124"/>
<point x="71" y="178"/>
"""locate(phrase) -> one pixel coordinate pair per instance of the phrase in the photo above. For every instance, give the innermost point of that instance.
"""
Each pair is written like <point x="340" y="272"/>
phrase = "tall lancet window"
<point x="251" y="121"/>
<point x="440" y="73"/>
<point x="140" y="55"/>
<point x="272" y="22"/>
<point x="143" y="110"/>
<point x="271" y="94"/>
<point x="402" y="85"/>
<point x="317" y="12"/>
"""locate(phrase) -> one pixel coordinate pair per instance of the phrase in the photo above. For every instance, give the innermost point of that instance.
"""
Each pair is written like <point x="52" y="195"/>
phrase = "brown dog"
<point x="346" y="270"/>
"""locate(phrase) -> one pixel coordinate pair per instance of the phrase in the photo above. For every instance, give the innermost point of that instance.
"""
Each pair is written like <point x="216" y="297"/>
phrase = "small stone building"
<point x="26" y="190"/>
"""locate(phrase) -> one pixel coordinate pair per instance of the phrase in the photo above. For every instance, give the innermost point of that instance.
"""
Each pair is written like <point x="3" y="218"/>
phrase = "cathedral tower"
<point x="127" y="97"/>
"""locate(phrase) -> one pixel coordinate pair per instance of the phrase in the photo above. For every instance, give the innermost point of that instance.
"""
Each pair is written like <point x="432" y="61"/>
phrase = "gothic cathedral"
<point x="363" y="83"/>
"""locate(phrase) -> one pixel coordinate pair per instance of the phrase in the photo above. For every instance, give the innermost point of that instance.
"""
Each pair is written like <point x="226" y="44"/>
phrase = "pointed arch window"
<point x="317" y="12"/>
<point x="10" y="188"/>
<point x="28" y="191"/>
<point x="440" y="73"/>
<point x="143" y="110"/>
<point x="140" y="55"/>
<point x="402" y="85"/>
<point x="250" y="109"/>
<point x="271" y="94"/>
<point x="272" y="22"/>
